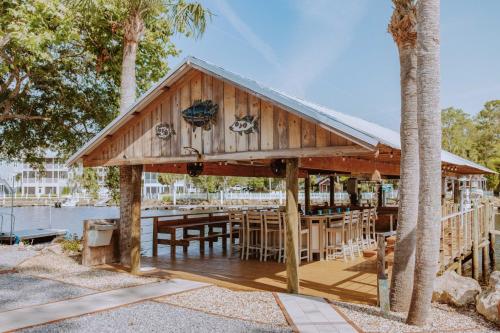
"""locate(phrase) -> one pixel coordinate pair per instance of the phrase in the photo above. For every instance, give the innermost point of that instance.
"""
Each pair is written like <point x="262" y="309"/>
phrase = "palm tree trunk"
<point x="133" y="30"/>
<point x="404" y="254"/>
<point x="429" y="132"/>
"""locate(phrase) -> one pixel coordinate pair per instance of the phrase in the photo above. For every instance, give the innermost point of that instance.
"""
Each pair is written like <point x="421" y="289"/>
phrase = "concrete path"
<point x="50" y="312"/>
<point x="314" y="315"/>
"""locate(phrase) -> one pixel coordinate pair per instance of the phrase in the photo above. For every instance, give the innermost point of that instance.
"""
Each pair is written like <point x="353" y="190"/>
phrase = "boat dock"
<point x="31" y="235"/>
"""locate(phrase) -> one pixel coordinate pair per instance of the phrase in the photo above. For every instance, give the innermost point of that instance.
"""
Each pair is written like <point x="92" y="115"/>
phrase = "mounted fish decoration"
<point x="201" y="114"/>
<point x="246" y="124"/>
<point x="164" y="131"/>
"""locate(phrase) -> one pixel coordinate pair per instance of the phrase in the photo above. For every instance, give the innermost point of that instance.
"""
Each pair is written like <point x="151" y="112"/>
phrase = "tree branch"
<point x="4" y="40"/>
<point x="11" y="116"/>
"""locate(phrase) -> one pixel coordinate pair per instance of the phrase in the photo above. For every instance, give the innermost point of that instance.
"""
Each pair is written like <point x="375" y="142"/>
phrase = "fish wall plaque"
<point x="246" y="124"/>
<point x="164" y="131"/>
<point x="201" y="114"/>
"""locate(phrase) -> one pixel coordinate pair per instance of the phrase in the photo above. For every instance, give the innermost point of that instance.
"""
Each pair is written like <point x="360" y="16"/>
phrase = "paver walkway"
<point x="314" y="315"/>
<point x="50" y="312"/>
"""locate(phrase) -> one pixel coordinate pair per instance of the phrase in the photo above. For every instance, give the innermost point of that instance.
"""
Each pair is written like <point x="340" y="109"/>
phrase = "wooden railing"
<point x="465" y="233"/>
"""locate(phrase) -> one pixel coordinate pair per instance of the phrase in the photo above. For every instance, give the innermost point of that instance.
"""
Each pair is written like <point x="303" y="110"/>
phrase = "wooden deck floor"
<point x="354" y="281"/>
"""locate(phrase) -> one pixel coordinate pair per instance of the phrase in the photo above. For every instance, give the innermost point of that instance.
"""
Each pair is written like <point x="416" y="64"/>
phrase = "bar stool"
<point x="274" y="235"/>
<point x="355" y="232"/>
<point x="254" y="233"/>
<point x="236" y="225"/>
<point x="304" y="251"/>
<point x="373" y="219"/>
<point x="364" y="226"/>
<point x="337" y="239"/>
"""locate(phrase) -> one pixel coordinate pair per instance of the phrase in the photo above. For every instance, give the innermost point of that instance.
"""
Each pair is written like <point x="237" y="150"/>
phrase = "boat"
<point x="102" y="203"/>
<point x="69" y="202"/>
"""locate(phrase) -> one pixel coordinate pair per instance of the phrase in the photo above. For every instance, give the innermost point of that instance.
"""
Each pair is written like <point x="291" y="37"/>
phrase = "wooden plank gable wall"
<point x="277" y="129"/>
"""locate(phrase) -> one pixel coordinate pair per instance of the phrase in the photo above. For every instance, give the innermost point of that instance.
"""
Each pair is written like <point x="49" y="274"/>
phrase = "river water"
<point x="71" y="219"/>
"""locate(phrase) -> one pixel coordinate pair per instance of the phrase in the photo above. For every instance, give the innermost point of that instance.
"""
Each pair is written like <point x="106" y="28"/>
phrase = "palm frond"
<point x="189" y="18"/>
<point x="403" y="24"/>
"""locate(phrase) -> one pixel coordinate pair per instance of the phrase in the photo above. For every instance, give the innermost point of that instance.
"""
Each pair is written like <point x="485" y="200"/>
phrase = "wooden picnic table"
<point x="203" y="225"/>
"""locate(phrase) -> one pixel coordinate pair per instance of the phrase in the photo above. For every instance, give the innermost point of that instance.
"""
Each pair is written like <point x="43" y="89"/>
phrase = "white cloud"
<point x="247" y="33"/>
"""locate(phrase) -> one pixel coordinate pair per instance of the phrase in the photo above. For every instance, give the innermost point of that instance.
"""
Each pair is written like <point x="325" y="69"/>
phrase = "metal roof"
<point x="362" y="132"/>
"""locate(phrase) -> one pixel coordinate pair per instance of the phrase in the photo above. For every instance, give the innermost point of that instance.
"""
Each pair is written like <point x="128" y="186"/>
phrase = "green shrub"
<point x="70" y="245"/>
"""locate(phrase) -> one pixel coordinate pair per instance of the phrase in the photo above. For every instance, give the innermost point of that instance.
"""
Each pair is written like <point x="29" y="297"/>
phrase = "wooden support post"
<point x="307" y="194"/>
<point x="155" y="237"/>
<point x="492" y="250"/>
<point x="332" y="191"/>
<point x="475" y="243"/>
<point x="130" y="217"/>
<point x="352" y="189"/>
<point x="382" y="282"/>
<point x="484" y="237"/>
<point x="292" y="225"/>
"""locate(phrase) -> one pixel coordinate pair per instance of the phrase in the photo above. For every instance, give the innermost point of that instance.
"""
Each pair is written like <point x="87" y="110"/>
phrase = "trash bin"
<point x="100" y="234"/>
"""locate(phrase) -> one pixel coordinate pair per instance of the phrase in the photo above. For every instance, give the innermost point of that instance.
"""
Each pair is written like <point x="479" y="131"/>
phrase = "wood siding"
<point x="277" y="129"/>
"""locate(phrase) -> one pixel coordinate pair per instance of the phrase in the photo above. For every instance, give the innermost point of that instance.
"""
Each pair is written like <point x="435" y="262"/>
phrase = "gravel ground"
<point x="443" y="319"/>
<point x="154" y="317"/>
<point x="11" y="256"/>
<point x="254" y="306"/>
<point x="64" y="269"/>
<point x="18" y="290"/>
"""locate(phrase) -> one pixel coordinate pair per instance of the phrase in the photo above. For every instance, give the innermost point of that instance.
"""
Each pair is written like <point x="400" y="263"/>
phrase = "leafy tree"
<point x="458" y="129"/>
<point x="209" y="183"/>
<point x="50" y="94"/>
<point x="61" y="66"/>
<point x="88" y="180"/>
<point x="139" y="21"/>
<point x="257" y="184"/>
<point x="487" y="140"/>
<point x="476" y="138"/>
<point x="112" y="183"/>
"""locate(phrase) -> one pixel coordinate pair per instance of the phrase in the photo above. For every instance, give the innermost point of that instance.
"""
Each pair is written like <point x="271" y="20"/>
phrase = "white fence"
<point x="258" y="196"/>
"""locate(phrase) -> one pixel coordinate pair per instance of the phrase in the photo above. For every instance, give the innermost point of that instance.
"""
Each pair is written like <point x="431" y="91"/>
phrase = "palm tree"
<point x="403" y="29"/>
<point x="429" y="132"/>
<point x="189" y="18"/>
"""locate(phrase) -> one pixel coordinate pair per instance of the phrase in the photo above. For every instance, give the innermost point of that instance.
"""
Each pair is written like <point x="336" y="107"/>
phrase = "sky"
<point x="338" y="53"/>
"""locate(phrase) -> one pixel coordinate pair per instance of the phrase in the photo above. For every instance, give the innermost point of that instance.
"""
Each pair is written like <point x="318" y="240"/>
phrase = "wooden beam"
<point x="218" y="169"/>
<point x="350" y="165"/>
<point x="237" y="156"/>
<point x="130" y="217"/>
<point x="292" y="226"/>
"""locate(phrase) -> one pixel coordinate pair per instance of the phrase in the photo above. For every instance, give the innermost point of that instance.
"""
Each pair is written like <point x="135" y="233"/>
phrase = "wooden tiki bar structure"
<point x="202" y="119"/>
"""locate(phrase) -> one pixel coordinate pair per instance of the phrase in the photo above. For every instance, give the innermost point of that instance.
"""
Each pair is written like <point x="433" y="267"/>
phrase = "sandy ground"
<point x="154" y="317"/>
<point x="248" y="305"/>
<point x="45" y="276"/>
<point x="443" y="319"/>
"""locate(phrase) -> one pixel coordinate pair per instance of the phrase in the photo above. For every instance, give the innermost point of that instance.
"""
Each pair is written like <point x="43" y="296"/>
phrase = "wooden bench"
<point x="188" y="224"/>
